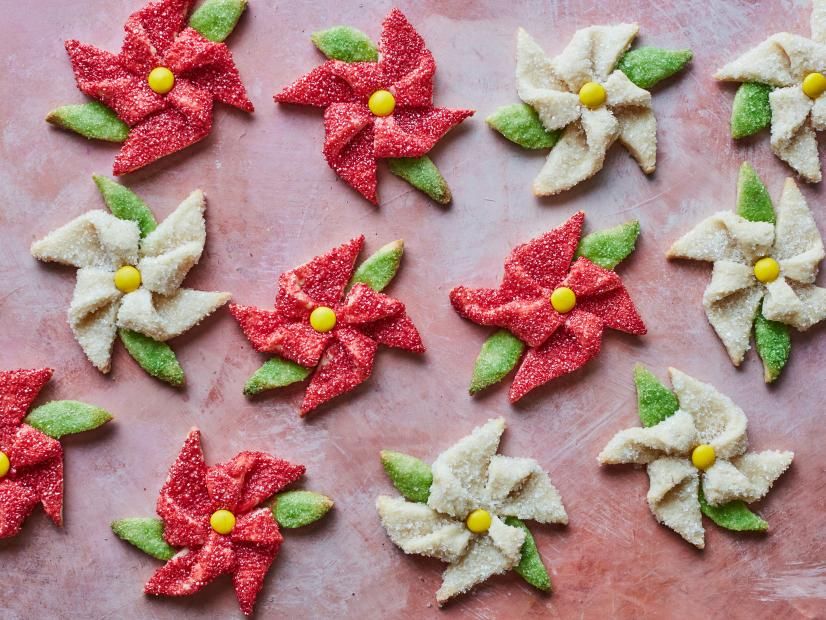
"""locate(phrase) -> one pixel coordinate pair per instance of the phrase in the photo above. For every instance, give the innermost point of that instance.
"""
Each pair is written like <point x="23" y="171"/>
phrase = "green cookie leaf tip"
<point x="753" y="200"/>
<point x="379" y="269"/>
<point x="751" y="111"/>
<point x="648" y="66"/>
<point x="91" y="120"/>
<point x="276" y="372"/>
<point x="500" y="353"/>
<point x="346" y="44"/>
<point x="734" y="516"/>
<point x="216" y="19"/>
<point x="66" y="417"/>
<point x="655" y="402"/>
<point x="126" y="204"/>
<point x="422" y="174"/>
<point x="145" y="533"/>
<point x="156" y="358"/>
<point x="608" y="248"/>
<point x="774" y="345"/>
<point x="411" y="476"/>
<point x="520" y="124"/>
<point x="530" y="567"/>
<point x="299" y="508"/>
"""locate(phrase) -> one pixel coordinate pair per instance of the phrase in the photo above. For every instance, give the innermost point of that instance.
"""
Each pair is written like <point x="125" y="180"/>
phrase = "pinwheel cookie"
<point x="583" y="100"/>
<point x="214" y="521"/>
<point x="156" y="95"/>
<point x="330" y="318"/>
<point x="130" y="271"/>
<point x="378" y="104"/>
<point x="467" y="510"/>
<point x="31" y="457"/>
<point x="765" y="265"/>
<point x="782" y="86"/>
<point x="694" y="444"/>
<point x="555" y="308"/>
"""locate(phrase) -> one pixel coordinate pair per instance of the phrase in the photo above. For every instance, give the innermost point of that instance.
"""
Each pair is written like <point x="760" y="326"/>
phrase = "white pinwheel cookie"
<point x="471" y="515"/>
<point x="129" y="278"/>
<point x="696" y="451"/>
<point x="765" y="265"/>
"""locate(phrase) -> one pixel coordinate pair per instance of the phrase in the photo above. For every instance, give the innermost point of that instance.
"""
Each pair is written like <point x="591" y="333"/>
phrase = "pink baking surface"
<point x="273" y="203"/>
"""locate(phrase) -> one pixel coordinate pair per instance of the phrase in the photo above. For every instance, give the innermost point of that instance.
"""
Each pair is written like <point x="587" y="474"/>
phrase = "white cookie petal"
<point x="818" y="20"/>
<point x="767" y="63"/>
<point x="818" y="117"/>
<point x="801" y="153"/>
<point x="95" y="334"/>
<point x="782" y="303"/>
<point x="728" y="277"/>
<point x="162" y="318"/>
<point x="94" y="289"/>
<point x="796" y="232"/>
<point x="609" y="43"/>
<point x="747" y="478"/>
<point x="185" y="225"/>
<point x="710" y="240"/>
<point x="638" y="134"/>
<point x="534" y="70"/>
<point x="519" y="487"/>
<point x="574" y="65"/>
<point x="622" y="92"/>
<point x="673" y="498"/>
<point x="675" y="435"/>
<point x="164" y="274"/>
<point x="790" y="108"/>
<point x="732" y="319"/>
<point x="804" y="55"/>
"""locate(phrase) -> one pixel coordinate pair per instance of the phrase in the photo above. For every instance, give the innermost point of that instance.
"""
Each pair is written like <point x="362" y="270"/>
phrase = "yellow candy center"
<point x="592" y="95"/>
<point x="563" y="299"/>
<point x="127" y="279"/>
<point x="5" y="465"/>
<point x="222" y="521"/>
<point x="382" y="103"/>
<point x="766" y="270"/>
<point x="814" y="85"/>
<point x="703" y="456"/>
<point x="161" y="80"/>
<point x="479" y="521"/>
<point x="323" y="319"/>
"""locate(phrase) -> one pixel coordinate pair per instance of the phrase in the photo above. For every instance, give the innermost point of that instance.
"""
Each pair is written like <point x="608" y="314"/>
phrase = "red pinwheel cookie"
<point x="320" y="322"/>
<point x="156" y="95"/>
<point x="216" y="517"/>
<point x="31" y="457"/>
<point x="378" y="104"/>
<point x="555" y="308"/>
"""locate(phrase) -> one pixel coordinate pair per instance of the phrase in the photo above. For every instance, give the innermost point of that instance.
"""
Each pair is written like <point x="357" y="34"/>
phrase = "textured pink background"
<point x="273" y="204"/>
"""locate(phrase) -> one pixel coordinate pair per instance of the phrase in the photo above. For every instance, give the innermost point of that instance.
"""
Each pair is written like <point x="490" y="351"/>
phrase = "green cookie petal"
<point x="146" y="533"/>
<point x="345" y="43"/>
<point x="520" y="124"/>
<point x="216" y="19"/>
<point x="608" y="248"/>
<point x="733" y="516"/>
<point x="753" y="201"/>
<point x="774" y="344"/>
<point x="411" y="476"/>
<point x="156" y="358"/>
<point x="647" y="66"/>
<point x="751" y="110"/>
<point x="275" y="373"/>
<point x="530" y="567"/>
<point x="126" y="204"/>
<point x="91" y="120"/>
<point x="379" y="269"/>
<point x="422" y="174"/>
<point x="498" y="356"/>
<point x="66" y="417"/>
<point x="299" y="508"/>
<point x="655" y="402"/>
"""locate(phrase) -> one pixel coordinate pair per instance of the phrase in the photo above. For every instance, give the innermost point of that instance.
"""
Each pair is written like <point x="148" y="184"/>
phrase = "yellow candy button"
<point x="382" y="103"/>
<point x="222" y="521"/>
<point x="5" y="465"/>
<point x="703" y="456"/>
<point x="479" y="521"/>
<point x="127" y="279"/>
<point x="592" y="95"/>
<point x="766" y="270"/>
<point x="563" y="299"/>
<point x="814" y="85"/>
<point x="323" y="319"/>
<point x="161" y="80"/>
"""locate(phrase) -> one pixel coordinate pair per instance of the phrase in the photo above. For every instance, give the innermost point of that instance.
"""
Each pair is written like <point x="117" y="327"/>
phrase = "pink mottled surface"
<point x="273" y="203"/>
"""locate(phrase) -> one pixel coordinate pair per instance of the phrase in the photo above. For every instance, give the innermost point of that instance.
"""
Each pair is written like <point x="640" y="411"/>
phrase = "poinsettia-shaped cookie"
<point x="213" y="521"/>
<point x="782" y="85"/>
<point x="156" y="95"/>
<point x="130" y="271"/>
<point x="694" y="444"/>
<point x="378" y="104"/>
<point x="320" y="322"/>
<point x="765" y="265"/>
<point x="555" y="308"/>
<point x="31" y="457"/>
<point x="583" y="100"/>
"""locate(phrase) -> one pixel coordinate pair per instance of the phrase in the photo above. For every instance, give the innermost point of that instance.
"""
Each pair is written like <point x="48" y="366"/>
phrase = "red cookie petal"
<point x="161" y="21"/>
<point x="137" y="54"/>
<point x="300" y="343"/>
<point x="588" y="279"/>
<point x="364" y="78"/>
<point x="193" y="102"/>
<point x="402" y="49"/>
<point x="31" y="447"/>
<point x="398" y="332"/>
<point x="18" y="389"/>
<point x="46" y="482"/>
<point x="248" y="479"/>
<point x="364" y="305"/>
<point x="16" y="503"/>
<point x="413" y="132"/>
<point x="342" y="123"/>
<point x="253" y="562"/>
<point x="258" y="324"/>
<point x="189" y="572"/>
<point x="320" y="87"/>
<point x="356" y="164"/>
<point x="258" y="528"/>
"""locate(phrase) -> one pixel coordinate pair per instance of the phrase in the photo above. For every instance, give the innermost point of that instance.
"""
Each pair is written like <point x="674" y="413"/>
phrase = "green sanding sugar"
<point x="655" y="402"/>
<point x="530" y="567"/>
<point x="126" y="204"/>
<point x="520" y="124"/>
<point x="773" y="343"/>
<point x="275" y="373"/>
<point x="379" y="269"/>
<point x="732" y="516"/>
<point x="216" y="19"/>
<point x="66" y="417"/>
<point x="146" y="534"/>
<point x="753" y="201"/>
<point x="498" y="356"/>
<point x="156" y="358"/>
<point x="411" y="476"/>
<point x="647" y="66"/>
<point x="299" y="508"/>
<point x="607" y="248"/>
<point x="91" y="120"/>
<point x="345" y="43"/>
<point x="422" y="174"/>
<point x="750" y="111"/>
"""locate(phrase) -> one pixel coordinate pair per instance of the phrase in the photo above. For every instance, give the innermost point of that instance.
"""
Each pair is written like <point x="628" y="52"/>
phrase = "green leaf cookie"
<point x="753" y="201"/>
<point x="156" y="358"/>
<point x="126" y="204"/>
<point x="530" y="567"/>
<point x="299" y="508"/>
<point x="608" y="248"/>
<point x="498" y="356"/>
<point x="774" y="344"/>
<point x="520" y="124"/>
<point x="655" y="402"/>
<point x="411" y="476"/>
<point x="146" y="533"/>
<point x="647" y="66"/>
<point x="91" y="120"/>
<point x="750" y="111"/>
<point x="379" y="269"/>
<point x="275" y="373"/>
<point x="66" y="417"/>
<point x="422" y="174"/>
<point x="345" y="43"/>
<point x="733" y="516"/>
<point x="216" y="19"/>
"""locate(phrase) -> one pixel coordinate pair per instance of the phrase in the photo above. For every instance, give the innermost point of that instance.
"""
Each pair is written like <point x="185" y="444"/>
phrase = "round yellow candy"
<point x="161" y="80"/>
<point x="5" y="465"/>
<point x="766" y="270"/>
<point x="592" y="95"/>
<point x="814" y="85"/>
<point x="703" y="456"/>
<point x="563" y="299"/>
<point x="382" y="103"/>
<point x="323" y="319"/>
<point x="222" y="521"/>
<point x="127" y="279"/>
<point x="479" y="521"/>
